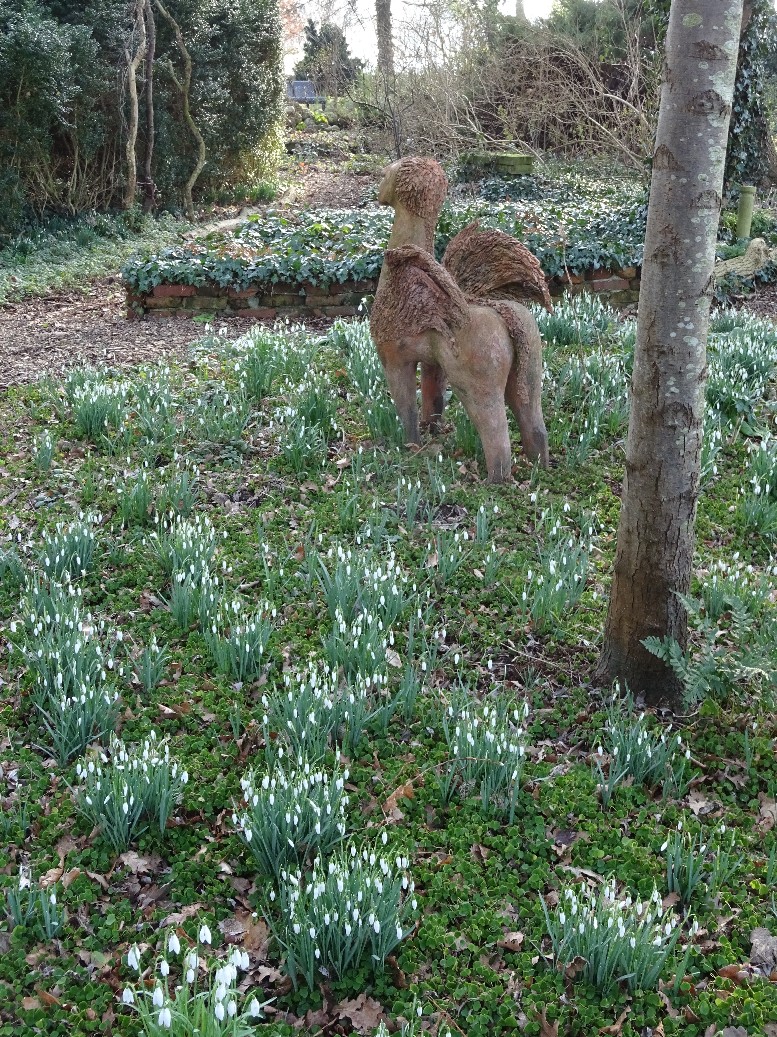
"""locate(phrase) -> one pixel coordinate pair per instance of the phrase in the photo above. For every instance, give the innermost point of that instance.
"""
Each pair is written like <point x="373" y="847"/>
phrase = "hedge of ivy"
<point x="573" y="222"/>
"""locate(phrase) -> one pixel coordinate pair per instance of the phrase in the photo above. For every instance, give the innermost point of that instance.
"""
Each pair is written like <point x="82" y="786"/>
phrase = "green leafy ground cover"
<point x="572" y="222"/>
<point x="297" y="528"/>
<point x="64" y="253"/>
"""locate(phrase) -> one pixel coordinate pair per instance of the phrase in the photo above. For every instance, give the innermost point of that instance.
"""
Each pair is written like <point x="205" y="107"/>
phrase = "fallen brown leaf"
<point x="581" y="873"/>
<point x="575" y="967"/>
<point x="615" y="1028"/>
<point x="178" y="917"/>
<point x="479" y="852"/>
<point x="398" y="977"/>
<point x="547" y="1028"/>
<point x="364" y="1013"/>
<point x="63" y="846"/>
<point x="391" y="807"/>
<point x="768" y="812"/>
<point x="46" y="998"/>
<point x="139" y="865"/>
<point x="700" y="805"/>
<point x="763" y="952"/>
<point x="671" y="1011"/>
<point x="734" y="972"/>
<point x="52" y="875"/>
<point x="244" y="929"/>
<point x="178" y="710"/>
<point x="511" y="942"/>
<point x="70" y="876"/>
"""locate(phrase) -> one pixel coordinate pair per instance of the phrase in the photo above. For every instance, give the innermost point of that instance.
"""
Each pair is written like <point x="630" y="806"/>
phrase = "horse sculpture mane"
<point x="421" y="186"/>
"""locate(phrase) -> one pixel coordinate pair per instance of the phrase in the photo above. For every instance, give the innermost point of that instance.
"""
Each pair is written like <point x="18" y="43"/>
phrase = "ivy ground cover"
<point x="298" y="732"/>
<point x="571" y="222"/>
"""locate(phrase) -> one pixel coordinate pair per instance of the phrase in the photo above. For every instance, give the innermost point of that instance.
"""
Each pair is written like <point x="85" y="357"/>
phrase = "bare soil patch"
<point x="50" y="335"/>
<point x="763" y="302"/>
<point x="324" y="189"/>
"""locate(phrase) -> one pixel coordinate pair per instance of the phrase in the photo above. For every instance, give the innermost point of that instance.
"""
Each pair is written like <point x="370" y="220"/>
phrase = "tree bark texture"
<point x="149" y="189"/>
<point x="654" y="553"/>
<point x="133" y="63"/>
<point x="184" y="85"/>
<point x="385" y="40"/>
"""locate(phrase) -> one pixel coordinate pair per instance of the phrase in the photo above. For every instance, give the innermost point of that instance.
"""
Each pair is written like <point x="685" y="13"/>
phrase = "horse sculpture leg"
<point x="401" y="378"/>
<point x="488" y="415"/>
<point x="524" y="398"/>
<point x="433" y="383"/>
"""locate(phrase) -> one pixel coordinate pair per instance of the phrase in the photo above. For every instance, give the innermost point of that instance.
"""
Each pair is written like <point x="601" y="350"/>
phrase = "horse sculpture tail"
<point x="489" y="264"/>
<point x="523" y="392"/>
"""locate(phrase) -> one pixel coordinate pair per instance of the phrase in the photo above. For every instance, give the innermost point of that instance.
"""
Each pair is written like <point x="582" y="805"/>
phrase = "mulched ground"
<point x="68" y="329"/>
<point x="763" y="303"/>
<point x="46" y="336"/>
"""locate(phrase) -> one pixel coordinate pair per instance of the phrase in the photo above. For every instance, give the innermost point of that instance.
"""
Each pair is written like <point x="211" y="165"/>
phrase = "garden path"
<point x="40" y="336"/>
<point x="65" y="329"/>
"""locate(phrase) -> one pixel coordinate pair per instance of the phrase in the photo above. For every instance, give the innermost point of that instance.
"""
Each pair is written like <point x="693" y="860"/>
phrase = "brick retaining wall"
<point x="265" y="302"/>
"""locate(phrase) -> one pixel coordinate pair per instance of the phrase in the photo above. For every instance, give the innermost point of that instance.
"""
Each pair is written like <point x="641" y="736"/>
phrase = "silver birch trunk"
<point x="654" y="553"/>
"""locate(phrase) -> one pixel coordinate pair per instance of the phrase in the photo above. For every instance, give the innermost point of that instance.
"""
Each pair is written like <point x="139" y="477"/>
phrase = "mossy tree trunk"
<point x="385" y="40"/>
<point x="660" y="490"/>
<point x="133" y="61"/>
<point x="149" y="189"/>
<point x="183" y="85"/>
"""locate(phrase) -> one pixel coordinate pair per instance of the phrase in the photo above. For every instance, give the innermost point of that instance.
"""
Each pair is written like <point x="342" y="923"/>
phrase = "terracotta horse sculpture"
<point x="491" y="352"/>
<point x="487" y="266"/>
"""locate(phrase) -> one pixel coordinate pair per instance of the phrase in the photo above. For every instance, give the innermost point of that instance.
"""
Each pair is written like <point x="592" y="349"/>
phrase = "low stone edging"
<point x="261" y="302"/>
<point x="337" y="300"/>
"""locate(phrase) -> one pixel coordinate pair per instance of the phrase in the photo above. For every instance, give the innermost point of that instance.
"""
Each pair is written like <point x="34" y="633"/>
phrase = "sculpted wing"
<point x="489" y="264"/>
<point x="417" y="296"/>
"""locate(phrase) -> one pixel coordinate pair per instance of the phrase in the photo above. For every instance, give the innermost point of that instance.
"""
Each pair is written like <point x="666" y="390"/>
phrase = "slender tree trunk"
<point x="385" y="41"/>
<point x="183" y="85"/>
<point x="148" y="180"/>
<point x="133" y="63"/>
<point x="660" y="489"/>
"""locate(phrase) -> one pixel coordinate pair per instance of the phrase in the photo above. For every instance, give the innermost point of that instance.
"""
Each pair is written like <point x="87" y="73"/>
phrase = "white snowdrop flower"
<point x="165" y="1018"/>
<point x="254" y="1009"/>
<point x="192" y="960"/>
<point x="164" y="968"/>
<point x="218" y="1011"/>
<point x="204" y="935"/>
<point x="133" y="958"/>
<point x="159" y="998"/>
<point x="231" y="1008"/>
<point x="127" y="997"/>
